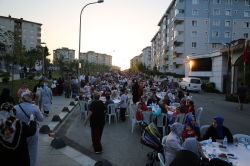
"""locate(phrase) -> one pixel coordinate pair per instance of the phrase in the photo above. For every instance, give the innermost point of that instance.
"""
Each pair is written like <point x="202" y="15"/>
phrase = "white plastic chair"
<point x="161" y="158"/>
<point x="186" y="116"/>
<point x="198" y="115"/>
<point x="163" y="142"/>
<point x="238" y="137"/>
<point x="175" y="104"/>
<point x="134" y="107"/>
<point x="160" y="122"/>
<point x="181" y="117"/>
<point x="111" y="109"/>
<point x="128" y="107"/>
<point x="83" y="109"/>
<point x="133" y="119"/>
<point x="146" y="116"/>
<point x="203" y="130"/>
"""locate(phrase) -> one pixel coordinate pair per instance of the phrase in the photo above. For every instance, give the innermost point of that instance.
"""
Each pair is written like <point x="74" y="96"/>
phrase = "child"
<point x="178" y="112"/>
<point x="81" y="98"/>
<point x="189" y="132"/>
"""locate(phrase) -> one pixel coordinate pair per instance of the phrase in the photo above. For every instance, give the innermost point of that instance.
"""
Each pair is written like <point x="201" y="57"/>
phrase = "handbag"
<point x="53" y="86"/>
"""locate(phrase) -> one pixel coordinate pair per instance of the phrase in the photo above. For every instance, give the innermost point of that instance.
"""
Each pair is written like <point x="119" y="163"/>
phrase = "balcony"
<point x="165" y="22"/>
<point x="178" y="71"/>
<point x="179" y="18"/>
<point x="165" y="55"/>
<point x="165" y="47"/>
<point x="165" y="63"/>
<point x="179" y="27"/>
<point x="180" y="5"/>
<point x="178" y="61"/>
<point x="179" y="38"/>
<point x="149" y="53"/>
<point x="149" y="58"/>
<point x="179" y="49"/>
<point x="165" y="31"/>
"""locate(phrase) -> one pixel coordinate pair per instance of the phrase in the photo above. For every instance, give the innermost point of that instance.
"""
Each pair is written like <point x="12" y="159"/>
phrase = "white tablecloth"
<point x="242" y="154"/>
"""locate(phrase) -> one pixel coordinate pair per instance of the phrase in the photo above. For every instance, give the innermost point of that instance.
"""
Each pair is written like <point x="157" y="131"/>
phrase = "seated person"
<point x="113" y="87"/>
<point x="176" y="99"/>
<point x="180" y="94"/>
<point x="187" y="95"/>
<point x="166" y="100"/>
<point x="191" y="107"/>
<point x="108" y="101"/>
<point x="217" y="131"/>
<point x="105" y="92"/>
<point x="191" y="121"/>
<point x="81" y="97"/>
<point x="114" y="95"/>
<point x="189" y="132"/>
<point x="176" y="113"/>
<point x="153" y="99"/>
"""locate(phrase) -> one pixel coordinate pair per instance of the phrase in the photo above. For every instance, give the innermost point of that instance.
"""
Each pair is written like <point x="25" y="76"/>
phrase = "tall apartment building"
<point x="94" y="57"/>
<point x="135" y="60"/>
<point x="69" y="54"/>
<point x="29" y="33"/>
<point x="146" y="56"/>
<point x="190" y="27"/>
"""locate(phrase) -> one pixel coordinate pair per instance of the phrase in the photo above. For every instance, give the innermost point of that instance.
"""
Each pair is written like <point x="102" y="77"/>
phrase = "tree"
<point x="59" y="61"/>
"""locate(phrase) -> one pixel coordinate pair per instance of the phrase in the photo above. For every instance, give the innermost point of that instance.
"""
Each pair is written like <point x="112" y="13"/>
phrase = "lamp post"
<point x="43" y="55"/>
<point x="99" y="1"/>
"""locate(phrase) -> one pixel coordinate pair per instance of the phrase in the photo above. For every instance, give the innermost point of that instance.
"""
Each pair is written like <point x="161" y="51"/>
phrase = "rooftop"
<point x="19" y="20"/>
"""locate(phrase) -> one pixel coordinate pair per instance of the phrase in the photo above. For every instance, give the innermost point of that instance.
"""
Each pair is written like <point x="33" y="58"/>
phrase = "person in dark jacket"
<point x="13" y="137"/>
<point x="180" y="94"/>
<point x="190" y="155"/>
<point x="135" y="89"/>
<point x="217" y="131"/>
<point x="153" y="99"/>
<point x="5" y="97"/>
<point x="191" y="121"/>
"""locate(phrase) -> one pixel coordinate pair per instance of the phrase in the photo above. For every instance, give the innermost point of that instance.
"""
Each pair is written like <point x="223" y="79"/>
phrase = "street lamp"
<point x="99" y="1"/>
<point x="43" y="55"/>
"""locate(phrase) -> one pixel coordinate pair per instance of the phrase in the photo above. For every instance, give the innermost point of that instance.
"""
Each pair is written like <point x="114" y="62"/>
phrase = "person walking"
<point x="23" y="113"/>
<point x="242" y="93"/>
<point x="123" y="105"/>
<point x="96" y="115"/>
<point x="5" y="97"/>
<point x="46" y="97"/>
<point x="24" y="87"/>
<point x="37" y="90"/>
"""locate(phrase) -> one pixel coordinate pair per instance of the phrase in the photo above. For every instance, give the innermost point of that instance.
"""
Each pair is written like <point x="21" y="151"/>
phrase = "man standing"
<point x="93" y="80"/>
<point x="25" y="71"/>
<point x="172" y="84"/>
<point x="67" y="85"/>
<point x="123" y="105"/>
<point x="242" y="93"/>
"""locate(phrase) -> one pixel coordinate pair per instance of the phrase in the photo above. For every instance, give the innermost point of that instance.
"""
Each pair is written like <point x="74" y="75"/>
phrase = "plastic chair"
<point x="160" y="122"/>
<point x="238" y="137"/>
<point x="133" y="119"/>
<point x="175" y="104"/>
<point x="161" y="158"/>
<point x="111" y="109"/>
<point x="83" y="109"/>
<point x="186" y="116"/>
<point x="134" y="107"/>
<point x="128" y="107"/>
<point x="146" y="117"/>
<point x="198" y="115"/>
<point x="203" y="130"/>
<point x="181" y="117"/>
<point x="163" y="142"/>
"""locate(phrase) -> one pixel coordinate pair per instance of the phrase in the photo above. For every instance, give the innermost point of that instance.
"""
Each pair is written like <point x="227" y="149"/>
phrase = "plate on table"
<point x="223" y="148"/>
<point x="232" y="156"/>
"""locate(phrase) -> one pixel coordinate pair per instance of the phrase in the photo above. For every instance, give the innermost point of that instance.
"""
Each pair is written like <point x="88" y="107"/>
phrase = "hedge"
<point x="234" y="98"/>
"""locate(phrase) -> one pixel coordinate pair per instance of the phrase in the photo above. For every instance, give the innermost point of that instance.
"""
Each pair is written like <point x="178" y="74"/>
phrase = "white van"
<point x="192" y="84"/>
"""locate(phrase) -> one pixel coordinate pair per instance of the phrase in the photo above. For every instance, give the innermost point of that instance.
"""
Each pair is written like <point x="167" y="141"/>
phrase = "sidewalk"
<point x="64" y="156"/>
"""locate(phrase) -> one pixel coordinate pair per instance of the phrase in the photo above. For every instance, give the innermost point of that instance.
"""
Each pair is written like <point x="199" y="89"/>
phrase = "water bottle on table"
<point x="225" y="141"/>
<point x="214" y="153"/>
<point x="210" y="141"/>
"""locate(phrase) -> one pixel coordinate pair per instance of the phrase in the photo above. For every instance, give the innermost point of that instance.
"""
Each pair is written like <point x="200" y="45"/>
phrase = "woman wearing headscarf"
<point x="166" y="100"/>
<point x="46" y="97"/>
<point x="55" y="89"/>
<point x="23" y="113"/>
<point x="190" y="155"/>
<point x="13" y="137"/>
<point x="37" y="90"/>
<point x="60" y="86"/>
<point x="217" y="131"/>
<point x="153" y="99"/>
<point x="141" y="107"/>
<point x="135" y="93"/>
<point x="174" y="142"/>
<point x="5" y="97"/>
<point x="191" y="121"/>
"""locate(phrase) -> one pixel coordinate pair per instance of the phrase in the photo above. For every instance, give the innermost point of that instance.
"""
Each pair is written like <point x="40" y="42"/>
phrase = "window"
<point x="215" y="34"/>
<point x="24" y="41"/>
<point x="229" y="2"/>
<point x="194" y="34"/>
<point x="32" y="25"/>
<point x="31" y="42"/>
<point x="2" y="26"/>
<point x="246" y="25"/>
<point x="246" y="35"/>
<point x="227" y="23"/>
<point x="216" y="11"/>
<point x="214" y="45"/>
<point x="11" y="21"/>
<point x="24" y="30"/>
<point x="2" y="20"/>
<point x="216" y="1"/>
<point x="195" y="2"/>
<point x="228" y="12"/>
<point x="216" y="23"/>
<point x="247" y="3"/>
<point x="20" y="35"/>
<point x="227" y="35"/>
<point x="15" y="29"/>
<point x="38" y="37"/>
<point x="194" y="23"/>
<point x="24" y="36"/>
<point x="11" y="28"/>
<point x="19" y="30"/>
<point x="247" y="14"/>
<point x="195" y="12"/>
<point x="31" y="31"/>
<point x="31" y="37"/>
<point x="194" y="44"/>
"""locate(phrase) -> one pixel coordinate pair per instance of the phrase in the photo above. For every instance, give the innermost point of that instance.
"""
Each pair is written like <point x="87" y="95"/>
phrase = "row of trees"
<point x="13" y="50"/>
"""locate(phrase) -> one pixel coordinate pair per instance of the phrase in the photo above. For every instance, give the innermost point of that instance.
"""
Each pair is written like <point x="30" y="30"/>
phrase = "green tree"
<point x="59" y="61"/>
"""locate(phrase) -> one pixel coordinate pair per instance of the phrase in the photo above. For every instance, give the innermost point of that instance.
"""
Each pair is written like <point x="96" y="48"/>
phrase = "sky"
<point x="126" y="26"/>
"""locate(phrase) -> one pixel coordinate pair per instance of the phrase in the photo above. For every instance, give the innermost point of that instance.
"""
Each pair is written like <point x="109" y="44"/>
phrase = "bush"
<point x="209" y="88"/>
<point x="234" y="98"/>
<point x="38" y="73"/>
<point x="30" y="77"/>
<point x="203" y="86"/>
<point x="4" y="74"/>
<point x="212" y="83"/>
<point x="6" y="79"/>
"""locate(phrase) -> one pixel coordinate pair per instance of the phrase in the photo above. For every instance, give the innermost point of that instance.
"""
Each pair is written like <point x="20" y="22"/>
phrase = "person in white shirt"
<point x="87" y="89"/>
<point x="170" y="95"/>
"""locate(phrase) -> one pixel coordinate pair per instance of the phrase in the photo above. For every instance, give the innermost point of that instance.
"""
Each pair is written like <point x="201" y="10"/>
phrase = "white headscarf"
<point x="190" y="145"/>
<point x="177" y="129"/>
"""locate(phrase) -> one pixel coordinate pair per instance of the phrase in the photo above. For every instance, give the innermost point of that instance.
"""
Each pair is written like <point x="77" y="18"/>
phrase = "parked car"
<point x="190" y="84"/>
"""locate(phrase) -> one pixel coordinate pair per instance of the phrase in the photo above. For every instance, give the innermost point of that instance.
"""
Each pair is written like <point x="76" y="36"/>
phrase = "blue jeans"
<point x="34" y="74"/>
<point x="25" y="74"/>
<point x="67" y="91"/>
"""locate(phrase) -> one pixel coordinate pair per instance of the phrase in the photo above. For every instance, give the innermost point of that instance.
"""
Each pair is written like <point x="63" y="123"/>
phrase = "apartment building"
<point x="146" y="56"/>
<point x="69" y="54"/>
<point x="192" y="27"/>
<point x="94" y="57"/>
<point x="29" y="33"/>
<point x="135" y="60"/>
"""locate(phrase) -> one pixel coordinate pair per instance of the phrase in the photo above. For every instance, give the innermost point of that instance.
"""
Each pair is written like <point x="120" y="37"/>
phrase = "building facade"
<point x="146" y="57"/>
<point x="69" y="54"/>
<point x="94" y="57"/>
<point x="135" y="60"/>
<point x="29" y="33"/>
<point x="193" y="27"/>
